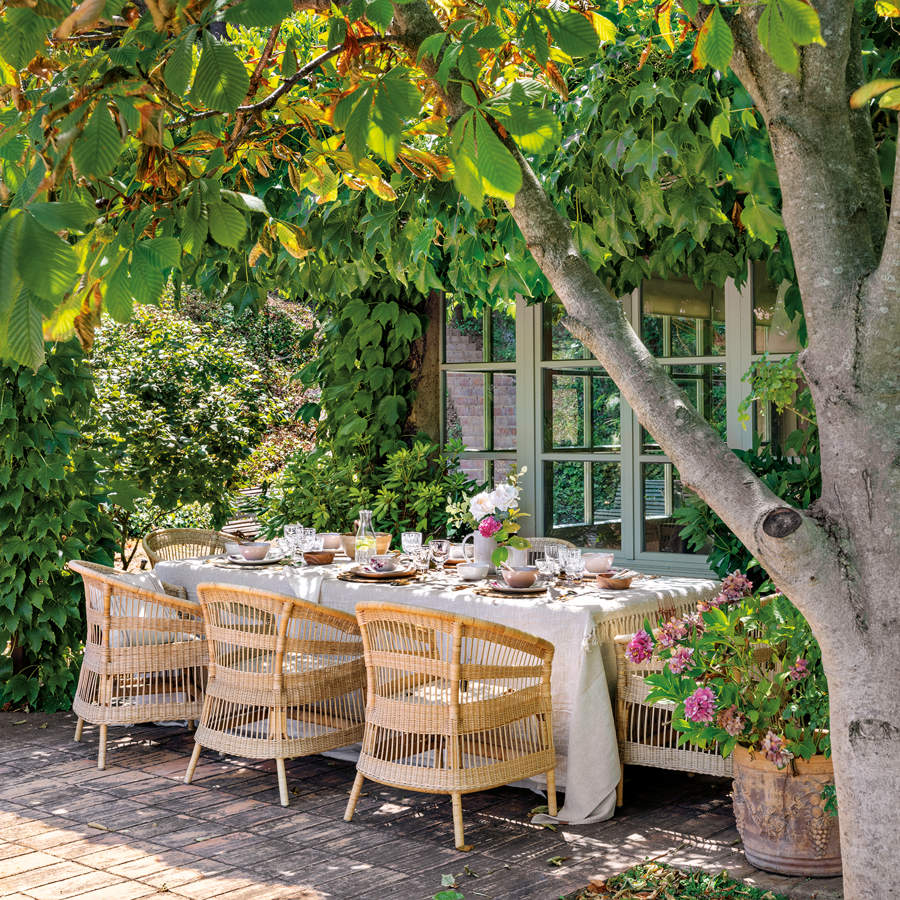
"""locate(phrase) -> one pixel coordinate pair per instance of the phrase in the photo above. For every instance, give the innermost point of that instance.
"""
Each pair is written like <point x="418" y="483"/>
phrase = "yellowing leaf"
<point x="293" y="239"/>
<point x="888" y="9"/>
<point x="664" y="20"/>
<point x="605" y="28"/>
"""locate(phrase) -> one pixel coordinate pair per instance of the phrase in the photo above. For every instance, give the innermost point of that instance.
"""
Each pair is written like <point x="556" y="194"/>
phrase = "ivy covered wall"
<point x="49" y="513"/>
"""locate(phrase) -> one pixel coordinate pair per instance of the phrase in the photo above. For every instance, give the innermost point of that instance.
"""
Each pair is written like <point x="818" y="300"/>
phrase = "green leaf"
<point x="380" y="13"/>
<point x="720" y="127"/>
<point x="119" y="298"/>
<point x="571" y="32"/>
<point x="499" y="172"/>
<point x="45" y="262"/>
<point x="24" y="337"/>
<point x="801" y="21"/>
<point x="163" y="252"/>
<point x="762" y="222"/>
<point x="62" y="215"/>
<point x="97" y="148"/>
<point x="715" y="43"/>
<point x="221" y="81"/>
<point x="226" y="224"/>
<point x="259" y="13"/>
<point x="247" y="202"/>
<point x="356" y="127"/>
<point x="22" y="34"/>
<point x="177" y="74"/>
<point x="535" y="130"/>
<point x="431" y="46"/>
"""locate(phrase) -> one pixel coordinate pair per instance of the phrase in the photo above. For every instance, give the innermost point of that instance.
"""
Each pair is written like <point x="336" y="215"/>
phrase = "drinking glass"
<point x="409" y="540"/>
<point x="440" y="552"/>
<point x="292" y="534"/>
<point x="306" y="538"/>
<point x="573" y="564"/>
<point x="421" y="557"/>
<point x="546" y="566"/>
<point x="551" y="552"/>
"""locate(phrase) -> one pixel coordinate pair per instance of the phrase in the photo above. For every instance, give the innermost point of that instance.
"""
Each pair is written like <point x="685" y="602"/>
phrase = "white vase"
<point x="482" y="548"/>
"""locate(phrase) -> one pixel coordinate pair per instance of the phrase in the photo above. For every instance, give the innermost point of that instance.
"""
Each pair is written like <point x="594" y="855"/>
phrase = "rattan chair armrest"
<point x="174" y="590"/>
<point x="623" y="638"/>
<point x="178" y="604"/>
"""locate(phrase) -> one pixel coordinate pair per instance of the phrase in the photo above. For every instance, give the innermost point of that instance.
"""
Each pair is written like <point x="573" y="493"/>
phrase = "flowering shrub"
<point x="495" y="514"/>
<point x="744" y="669"/>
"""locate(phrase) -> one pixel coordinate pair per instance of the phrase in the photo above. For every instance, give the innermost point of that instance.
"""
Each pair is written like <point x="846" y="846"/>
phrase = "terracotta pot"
<point x="781" y="815"/>
<point x="382" y="543"/>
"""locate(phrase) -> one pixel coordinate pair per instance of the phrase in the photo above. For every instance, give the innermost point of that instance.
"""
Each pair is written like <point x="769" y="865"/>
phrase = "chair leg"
<point x="354" y="796"/>
<point x="192" y="765"/>
<point x="79" y="727"/>
<point x="458" y="823"/>
<point x="192" y="724"/>
<point x="101" y="755"/>
<point x="620" y="787"/>
<point x="282" y="782"/>
<point x="552" y="808"/>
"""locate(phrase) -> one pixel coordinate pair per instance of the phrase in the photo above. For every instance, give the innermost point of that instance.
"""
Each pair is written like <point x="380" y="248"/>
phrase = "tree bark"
<point x="835" y="562"/>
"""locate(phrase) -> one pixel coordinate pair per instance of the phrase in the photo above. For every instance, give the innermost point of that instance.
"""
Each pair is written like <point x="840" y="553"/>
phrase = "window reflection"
<point x="679" y="319"/>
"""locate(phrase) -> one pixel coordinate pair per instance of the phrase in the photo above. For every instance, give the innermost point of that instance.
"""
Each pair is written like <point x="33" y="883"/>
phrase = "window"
<point x="479" y="388"/>
<point x="519" y="389"/>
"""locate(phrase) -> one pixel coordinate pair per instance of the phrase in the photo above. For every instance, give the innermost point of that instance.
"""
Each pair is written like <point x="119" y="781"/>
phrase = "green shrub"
<point x="49" y="513"/>
<point x="409" y="492"/>
<point x="179" y="406"/>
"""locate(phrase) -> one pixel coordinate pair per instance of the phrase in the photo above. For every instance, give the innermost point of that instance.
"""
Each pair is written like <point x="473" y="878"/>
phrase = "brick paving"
<point x="135" y="831"/>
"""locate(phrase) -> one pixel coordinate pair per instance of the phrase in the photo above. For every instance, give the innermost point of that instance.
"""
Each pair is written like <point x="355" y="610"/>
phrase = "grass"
<point x="656" y="881"/>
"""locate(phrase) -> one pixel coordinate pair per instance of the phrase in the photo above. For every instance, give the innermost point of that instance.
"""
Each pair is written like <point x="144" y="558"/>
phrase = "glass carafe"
<point x="365" y="538"/>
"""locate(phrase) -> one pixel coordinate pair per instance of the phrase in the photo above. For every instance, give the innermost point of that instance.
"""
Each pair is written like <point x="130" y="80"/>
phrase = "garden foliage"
<point x="50" y="498"/>
<point x="408" y="492"/>
<point x="179" y="405"/>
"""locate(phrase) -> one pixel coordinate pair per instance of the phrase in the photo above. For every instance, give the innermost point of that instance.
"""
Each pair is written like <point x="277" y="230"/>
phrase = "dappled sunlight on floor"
<point x="135" y="830"/>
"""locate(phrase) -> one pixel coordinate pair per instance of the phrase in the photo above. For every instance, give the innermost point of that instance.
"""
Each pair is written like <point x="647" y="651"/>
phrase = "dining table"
<point x="580" y="620"/>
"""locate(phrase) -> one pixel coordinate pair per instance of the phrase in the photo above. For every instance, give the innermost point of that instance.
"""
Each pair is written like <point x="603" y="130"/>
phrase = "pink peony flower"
<point x="701" y="705"/>
<point x="799" y="669"/>
<point x="640" y="647"/>
<point x="680" y="659"/>
<point x="719" y="600"/>
<point x="695" y="623"/>
<point x="773" y="746"/>
<point x="488" y="526"/>
<point x="732" y="720"/>
<point x="736" y="585"/>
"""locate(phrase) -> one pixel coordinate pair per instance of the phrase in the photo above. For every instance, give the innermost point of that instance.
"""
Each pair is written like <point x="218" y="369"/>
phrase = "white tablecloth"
<point x="580" y="624"/>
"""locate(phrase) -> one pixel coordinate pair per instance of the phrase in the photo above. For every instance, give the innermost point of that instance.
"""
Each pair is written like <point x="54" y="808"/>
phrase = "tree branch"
<point x="298" y="76"/>
<point x="889" y="268"/>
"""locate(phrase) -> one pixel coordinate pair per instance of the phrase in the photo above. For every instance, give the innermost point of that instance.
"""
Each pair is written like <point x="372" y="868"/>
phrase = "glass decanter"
<point x="365" y="538"/>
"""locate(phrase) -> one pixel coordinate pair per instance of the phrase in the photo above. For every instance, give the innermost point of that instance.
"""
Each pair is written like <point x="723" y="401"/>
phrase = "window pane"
<point x="557" y="342"/>
<point x="464" y="409"/>
<point x="504" y="412"/>
<point x="503" y="334"/>
<point x="705" y="388"/>
<point x="463" y="335"/>
<point x="584" y="502"/>
<point x="662" y="493"/>
<point x="776" y="427"/>
<point x="571" y="394"/>
<point x="773" y="329"/>
<point x="474" y="469"/>
<point x="677" y="319"/>
<point x="502" y="470"/>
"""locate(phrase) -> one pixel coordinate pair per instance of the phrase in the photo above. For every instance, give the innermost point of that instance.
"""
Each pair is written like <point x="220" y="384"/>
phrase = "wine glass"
<point x="440" y="552"/>
<point x="551" y="552"/>
<point x="545" y="565"/>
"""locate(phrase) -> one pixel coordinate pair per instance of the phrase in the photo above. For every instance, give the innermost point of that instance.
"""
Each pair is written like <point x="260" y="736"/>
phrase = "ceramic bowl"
<point x="383" y="563"/>
<point x="472" y="571"/>
<point x="615" y="581"/>
<point x="382" y="543"/>
<point x="598" y="562"/>
<point x="254" y="550"/>
<point x="331" y="540"/>
<point x="318" y="557"/>
<point x="456" y="551"/>
<point x="520" y="576"/>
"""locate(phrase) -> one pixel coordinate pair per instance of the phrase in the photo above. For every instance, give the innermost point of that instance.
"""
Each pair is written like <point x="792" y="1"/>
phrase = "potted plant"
<point x="745" y="672"/>
<point x="494" y="515"/>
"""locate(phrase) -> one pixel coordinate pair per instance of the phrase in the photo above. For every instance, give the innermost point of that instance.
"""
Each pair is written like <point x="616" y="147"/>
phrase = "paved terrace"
<point x="134" y="830"/>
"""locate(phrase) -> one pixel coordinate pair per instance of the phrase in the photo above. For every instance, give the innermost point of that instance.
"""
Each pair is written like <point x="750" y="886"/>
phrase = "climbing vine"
<point x="49" y="513"/>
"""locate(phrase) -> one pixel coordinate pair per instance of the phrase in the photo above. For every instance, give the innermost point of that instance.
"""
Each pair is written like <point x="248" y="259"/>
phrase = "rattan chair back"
<point x="453" y="704"/>
<point x="144" y="656"/>
<point x="286" y="677"/>
<point x="183" y="543"/>
<point x="537" y="545"/>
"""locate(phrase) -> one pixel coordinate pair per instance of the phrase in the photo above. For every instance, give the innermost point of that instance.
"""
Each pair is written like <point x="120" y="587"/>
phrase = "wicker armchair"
<point x="644" y="730"/>
<point x="144" y="657"/>
<point x="286" y="678"/>
<point x="453" y="705"/>
<point x="183" y="543"/>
